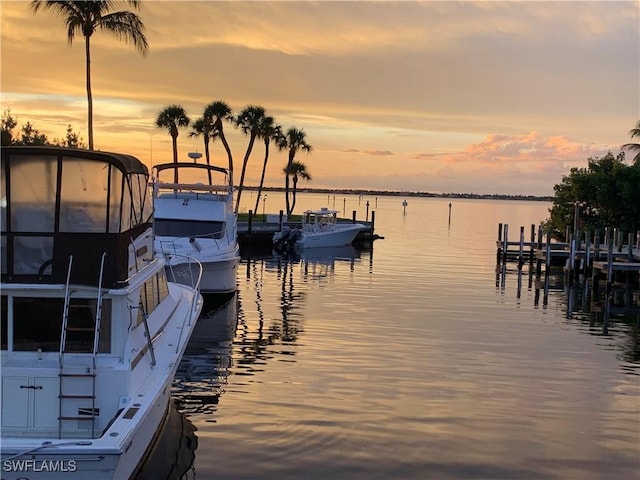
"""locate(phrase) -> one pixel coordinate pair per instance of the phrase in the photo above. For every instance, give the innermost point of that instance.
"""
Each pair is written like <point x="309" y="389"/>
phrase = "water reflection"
<point x="613" y="313"/>
<point x="173" y="452"/>
<point x="275" y="296"/>
<point x="202" y="374"/>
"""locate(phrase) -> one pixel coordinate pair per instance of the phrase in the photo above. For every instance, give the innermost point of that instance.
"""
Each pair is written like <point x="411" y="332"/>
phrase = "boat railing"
<point x="230" y="235"/>
<point x="195" y="274"/>
<point x="189" y="276"/>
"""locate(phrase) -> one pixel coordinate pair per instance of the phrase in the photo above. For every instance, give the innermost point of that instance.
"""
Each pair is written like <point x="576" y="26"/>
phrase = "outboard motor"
<point x="293" y="236"/>
<point x="280" y="238"/>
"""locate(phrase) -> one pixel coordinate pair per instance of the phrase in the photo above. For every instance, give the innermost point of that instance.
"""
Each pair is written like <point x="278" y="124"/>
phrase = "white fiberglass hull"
<point x="219" y="262"/>
<point x="338" y="237"/>
<point x="116" y="454"/>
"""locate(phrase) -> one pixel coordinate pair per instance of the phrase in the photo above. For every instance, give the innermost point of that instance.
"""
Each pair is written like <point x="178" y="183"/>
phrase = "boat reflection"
<point x="173" y="452"/>
<point x="275" y="294"/>
<point x="203" y="371"/>
<point x="320" y="262"/>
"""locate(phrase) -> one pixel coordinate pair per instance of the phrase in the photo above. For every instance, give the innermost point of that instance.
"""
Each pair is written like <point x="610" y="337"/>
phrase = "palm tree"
<point x="634" y="132"/>
<point x="172" y="118"/>
<point x="269" y="131"/>
<point x="206" y="129"/>
<point x="85" y="18"/>
<point x="293" y="141"/>
<point x="214" y="113"/>
<point x="296" y="169"/>
<point x="249" y="121"/>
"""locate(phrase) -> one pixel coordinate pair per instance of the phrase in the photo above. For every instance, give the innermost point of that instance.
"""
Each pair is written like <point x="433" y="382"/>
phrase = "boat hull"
<point x="340" y="236"/>
<point x="219" y="276"/>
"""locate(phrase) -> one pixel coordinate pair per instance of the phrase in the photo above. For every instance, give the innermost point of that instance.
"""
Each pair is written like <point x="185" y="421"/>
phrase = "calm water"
<point x="413" y="360"/>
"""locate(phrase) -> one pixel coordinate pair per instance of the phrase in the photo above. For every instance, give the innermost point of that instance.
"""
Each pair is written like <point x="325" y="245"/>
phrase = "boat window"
<point x="147" y="202"/>
<point x="4" y="314"/>
<point x="3" y="218"/>
<point x="3" y="197"/>
<point x="154" y="291"/>
<point x="3" y="253"/>
<point x="83" y="196"/>
<point x="115" y="199"/>
<point x="188" y="228"/>
<point x="37" y="324"/>
<point x="33" y="194"/>
<point x="32" y="255"/>
<point x="126" y="222"/>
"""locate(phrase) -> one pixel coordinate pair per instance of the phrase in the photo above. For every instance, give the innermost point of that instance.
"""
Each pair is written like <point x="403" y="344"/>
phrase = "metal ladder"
<point x="75" y="327"/>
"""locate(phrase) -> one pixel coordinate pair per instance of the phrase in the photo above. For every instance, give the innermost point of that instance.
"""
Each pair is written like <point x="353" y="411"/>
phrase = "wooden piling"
<point x="505" y="243"/>
<point x="499" y="250"/>
<point x="586" y="264"/>
<point x="373" y="223"/>
<point x="532" y="247"/>
<point x="521" y="249"/>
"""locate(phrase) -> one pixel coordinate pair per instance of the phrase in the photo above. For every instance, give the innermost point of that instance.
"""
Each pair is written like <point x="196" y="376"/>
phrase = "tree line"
<point x="605" y="193"/>
<point x="29" y="135"/>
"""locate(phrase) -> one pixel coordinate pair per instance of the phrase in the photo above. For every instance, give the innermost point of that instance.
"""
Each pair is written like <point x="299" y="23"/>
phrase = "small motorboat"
<point x="319" y="228"/>
<point x="92" y="331"/>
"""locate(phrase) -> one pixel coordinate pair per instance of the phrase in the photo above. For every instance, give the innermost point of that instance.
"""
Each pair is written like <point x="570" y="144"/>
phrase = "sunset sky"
<point x="436" y="96"/>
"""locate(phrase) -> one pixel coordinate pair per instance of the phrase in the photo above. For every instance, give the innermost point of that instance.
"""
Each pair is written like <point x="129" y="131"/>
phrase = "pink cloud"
<point x="509" y="151"/>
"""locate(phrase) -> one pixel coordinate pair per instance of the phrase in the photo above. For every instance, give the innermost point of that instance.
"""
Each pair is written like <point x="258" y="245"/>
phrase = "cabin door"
<point x="29" y="403"/>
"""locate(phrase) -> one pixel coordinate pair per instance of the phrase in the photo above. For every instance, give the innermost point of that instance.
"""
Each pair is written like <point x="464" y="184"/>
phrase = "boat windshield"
<point x="58" y="201"/>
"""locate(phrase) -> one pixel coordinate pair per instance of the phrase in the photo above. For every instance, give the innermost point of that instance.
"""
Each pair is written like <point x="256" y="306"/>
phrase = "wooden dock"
<point x="609" y="261"/>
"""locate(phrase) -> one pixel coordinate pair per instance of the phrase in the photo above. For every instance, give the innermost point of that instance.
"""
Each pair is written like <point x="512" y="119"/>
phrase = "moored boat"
<point x="92" y="331"/>
<point x="319" y="228"/>
<point x="194" y="217"/>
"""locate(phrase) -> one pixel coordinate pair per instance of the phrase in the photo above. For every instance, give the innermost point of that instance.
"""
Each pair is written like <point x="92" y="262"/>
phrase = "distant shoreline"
<point x="354" y="191"/>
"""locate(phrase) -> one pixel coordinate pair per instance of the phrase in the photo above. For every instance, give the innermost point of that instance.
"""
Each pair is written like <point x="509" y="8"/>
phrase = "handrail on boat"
<point x="191" y="262"/>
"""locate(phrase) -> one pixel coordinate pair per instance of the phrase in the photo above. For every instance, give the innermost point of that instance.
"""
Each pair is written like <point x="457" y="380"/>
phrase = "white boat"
<point x="320" y="228"/>
<point x="194" y="217"/>
<point x="92" y="332"/>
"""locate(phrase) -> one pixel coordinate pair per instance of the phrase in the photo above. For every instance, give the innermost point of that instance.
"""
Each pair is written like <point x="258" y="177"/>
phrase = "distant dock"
<point x="612" y="260"/>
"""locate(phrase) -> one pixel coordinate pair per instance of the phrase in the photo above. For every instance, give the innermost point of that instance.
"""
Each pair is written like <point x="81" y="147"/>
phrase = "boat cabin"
<point x="206" y="195"/>
<point x="60" y="202"/>
<point x="319" y="220"/>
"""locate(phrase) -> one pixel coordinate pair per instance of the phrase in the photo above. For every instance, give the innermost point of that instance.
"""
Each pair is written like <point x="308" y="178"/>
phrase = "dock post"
<point x="547" y="256"/>
<point x="250" y="223"/>
<point x="538" y="257"/>
<point x="609" y="265"/>
<point x="498" y="249"/>
<point x="280" y="220"/>
<point x="353" y="216"/>
<point x="587" y="253"/>
<point x="572" y="260"/>
<point x="532" y="249"/>
<point x="505" y="244"/>
<point x="373" y="223"/>
<point x="521" y="250"/>
<point x="619" y="240"/>
<point x="630" y="247"/>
